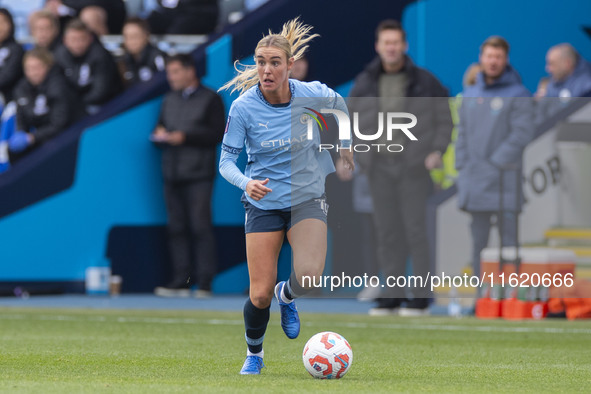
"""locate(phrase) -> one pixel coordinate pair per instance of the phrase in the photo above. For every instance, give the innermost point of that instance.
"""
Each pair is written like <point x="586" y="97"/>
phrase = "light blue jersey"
<point x="282" y="143"/>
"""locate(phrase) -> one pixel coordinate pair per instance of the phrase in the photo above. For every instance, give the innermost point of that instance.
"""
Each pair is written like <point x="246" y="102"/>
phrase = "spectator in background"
<point x="184" y="17"/>
<point x="68" y="9"/>
<point x="496" y="123"/>
<point x="45" y="29"/>
<point x="400" y="182"/>
<point x="191" y="125"/>
<point x="95" y="18"/>
<point x="140" y="59"/>
<point x="88" y="66"/>
<point x="11" y="57"/>
<point x="570" y="74"/>
<point x="46" y="104"/>
<point x="446" y="176"/>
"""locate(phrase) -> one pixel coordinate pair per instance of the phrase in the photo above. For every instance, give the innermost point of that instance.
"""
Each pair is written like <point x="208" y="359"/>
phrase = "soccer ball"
<point x="327" y="355"/>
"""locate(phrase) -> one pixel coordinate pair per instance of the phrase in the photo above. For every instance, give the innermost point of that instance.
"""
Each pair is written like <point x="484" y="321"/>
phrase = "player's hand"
<point x="344" y="174"/>
<point x="433" y="160"/>
<point x="347" y="158"/>
<point x="256" y="189"/>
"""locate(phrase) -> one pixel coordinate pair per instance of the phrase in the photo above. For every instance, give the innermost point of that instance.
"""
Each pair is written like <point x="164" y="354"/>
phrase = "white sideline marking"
<point x="388" y="326"/>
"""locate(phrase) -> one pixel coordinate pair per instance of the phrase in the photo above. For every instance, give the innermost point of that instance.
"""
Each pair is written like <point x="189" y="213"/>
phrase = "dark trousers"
<point x="400" y="200"/>
<point x="480" y="229"/>
<point x="190" y="232"/>
<point x="368" y="244"/>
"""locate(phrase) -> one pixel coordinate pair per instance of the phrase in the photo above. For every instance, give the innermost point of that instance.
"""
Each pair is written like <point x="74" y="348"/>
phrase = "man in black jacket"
<point x="88" y="66"/>
<point x="191" y="125"/>
<point x="399" y="181"/>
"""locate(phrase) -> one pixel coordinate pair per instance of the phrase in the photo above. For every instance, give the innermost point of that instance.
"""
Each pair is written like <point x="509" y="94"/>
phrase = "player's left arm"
<point x="336" y="101"/>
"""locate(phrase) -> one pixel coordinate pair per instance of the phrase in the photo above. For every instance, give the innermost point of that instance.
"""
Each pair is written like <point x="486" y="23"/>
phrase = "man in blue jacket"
<point x="570" y="74"/>
<point x="496" y="123"/>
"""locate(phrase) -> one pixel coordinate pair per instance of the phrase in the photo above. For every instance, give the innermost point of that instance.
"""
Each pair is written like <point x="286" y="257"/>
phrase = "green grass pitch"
<point x="112" y="351"/>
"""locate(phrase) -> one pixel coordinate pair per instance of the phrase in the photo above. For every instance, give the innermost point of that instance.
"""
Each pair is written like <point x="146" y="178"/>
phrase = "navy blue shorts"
<point x="258" y="220"/>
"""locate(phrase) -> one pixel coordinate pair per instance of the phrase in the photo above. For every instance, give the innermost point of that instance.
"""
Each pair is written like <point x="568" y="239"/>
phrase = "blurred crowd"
<point x="60" y="70"/>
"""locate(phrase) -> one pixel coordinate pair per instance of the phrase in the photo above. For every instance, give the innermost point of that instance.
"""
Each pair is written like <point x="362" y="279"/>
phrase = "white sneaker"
<point x="369" y="294"/>
<point x="202" y="293"/>
<point x="414" y="312"/>
<point x="384" y="311"/>
<point x="171" y="292"/>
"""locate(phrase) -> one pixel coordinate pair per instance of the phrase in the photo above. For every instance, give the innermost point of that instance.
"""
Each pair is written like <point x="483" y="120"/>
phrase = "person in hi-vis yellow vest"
<point x="446" y="176"/>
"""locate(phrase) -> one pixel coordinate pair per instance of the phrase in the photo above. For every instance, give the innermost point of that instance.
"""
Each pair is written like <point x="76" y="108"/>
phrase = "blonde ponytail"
<point x="293" y="40"/>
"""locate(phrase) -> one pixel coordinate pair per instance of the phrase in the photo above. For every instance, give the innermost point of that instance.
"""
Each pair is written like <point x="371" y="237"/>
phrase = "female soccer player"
<point x="283" y="180"/>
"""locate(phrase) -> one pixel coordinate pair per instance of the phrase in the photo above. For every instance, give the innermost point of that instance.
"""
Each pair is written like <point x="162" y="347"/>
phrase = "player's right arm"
<point x="232" y="144"/>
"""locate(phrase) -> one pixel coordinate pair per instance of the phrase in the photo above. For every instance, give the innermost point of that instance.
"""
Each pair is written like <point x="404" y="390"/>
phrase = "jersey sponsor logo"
<point x="284" y="144"/>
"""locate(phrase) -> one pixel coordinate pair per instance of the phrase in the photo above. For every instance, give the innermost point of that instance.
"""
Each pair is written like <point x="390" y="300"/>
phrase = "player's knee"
<point x="261" y="299"/>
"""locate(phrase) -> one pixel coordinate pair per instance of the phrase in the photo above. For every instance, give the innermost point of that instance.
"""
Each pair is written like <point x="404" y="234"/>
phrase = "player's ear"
<point x="290" y="63"/>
